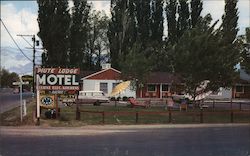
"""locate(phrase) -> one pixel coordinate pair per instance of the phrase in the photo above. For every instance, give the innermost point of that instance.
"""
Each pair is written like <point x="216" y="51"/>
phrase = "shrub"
<point x="112" y="99"/>
<point x="118" y="98"/>
<point x="124" y="98"/>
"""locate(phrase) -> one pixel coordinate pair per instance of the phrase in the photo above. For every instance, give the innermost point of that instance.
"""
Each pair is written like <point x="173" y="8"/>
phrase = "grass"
<point x="12" y="117"/>
<point x="120" y="115"/>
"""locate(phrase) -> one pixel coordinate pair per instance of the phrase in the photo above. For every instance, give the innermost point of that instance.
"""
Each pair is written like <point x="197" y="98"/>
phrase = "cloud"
<point x="244" y="15"/>
<point x="102" y="5"/>
<point x="71" y="5"/>
<point x="14" y="61"/>
<point x="18" y="22"/>
<point x="216" y="9"/>
<point x="24" y="22"/>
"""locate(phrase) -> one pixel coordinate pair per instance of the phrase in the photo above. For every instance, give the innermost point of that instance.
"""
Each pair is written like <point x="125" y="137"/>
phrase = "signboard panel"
<point x="19" y="83"/>
<point x="47" y="101"/>
<point x="58" y="78"/>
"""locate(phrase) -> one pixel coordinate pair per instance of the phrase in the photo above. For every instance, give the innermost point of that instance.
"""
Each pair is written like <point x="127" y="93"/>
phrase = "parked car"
<point x="92" y="97"/>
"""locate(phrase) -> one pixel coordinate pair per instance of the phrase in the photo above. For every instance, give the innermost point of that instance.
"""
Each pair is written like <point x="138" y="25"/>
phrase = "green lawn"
<point x="121" y="115"/>
<point x="12" y="117"/>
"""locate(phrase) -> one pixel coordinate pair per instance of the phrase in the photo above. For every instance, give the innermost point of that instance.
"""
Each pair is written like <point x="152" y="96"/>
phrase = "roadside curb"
<point x="92" y="130"/>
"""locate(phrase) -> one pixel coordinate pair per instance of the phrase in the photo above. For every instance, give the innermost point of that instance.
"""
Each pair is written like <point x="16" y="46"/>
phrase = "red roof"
<point x="106" y="74"/>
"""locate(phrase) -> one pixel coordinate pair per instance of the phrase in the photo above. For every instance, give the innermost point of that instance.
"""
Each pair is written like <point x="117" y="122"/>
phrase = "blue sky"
<point x="27" y="5"/>
<point x="21" y="18"/>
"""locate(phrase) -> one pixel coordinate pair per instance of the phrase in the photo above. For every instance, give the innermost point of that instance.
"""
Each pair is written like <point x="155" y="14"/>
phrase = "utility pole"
<point x="34" y="63"/>
<point x="35" y="43"/>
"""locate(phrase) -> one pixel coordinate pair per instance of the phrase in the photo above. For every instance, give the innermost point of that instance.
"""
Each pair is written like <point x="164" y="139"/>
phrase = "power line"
<point x="26" y="40"/>
<point x="14" y="40"/>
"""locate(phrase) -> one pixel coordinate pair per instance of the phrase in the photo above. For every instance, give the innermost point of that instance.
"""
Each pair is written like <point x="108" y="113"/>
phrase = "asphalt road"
<point x="171" y="140"/>
<point x="8" y="100"/>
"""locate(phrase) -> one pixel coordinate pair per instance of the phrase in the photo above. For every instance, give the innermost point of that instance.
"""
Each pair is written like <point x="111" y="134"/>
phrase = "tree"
<point x="196" y="8"/>
<point x="171" y="9"/>
<point x="246" y="51"/>
<point x="7" y="78"/>
<point x="199" y="56"/>
<point x="114" y="29"/>
<point x="248" y="34"/>
<point x="54" y="22"/>
<point x="183" y="19"/>
<point x="78" y="33"/>
<point x="143" y="18"/>
<point x="162" y="61"/>
<point x="230" y="21"/>
<point x="122" y="30"/>
<point x="157" y="20"/>
<point x="188" y="13"/>
<point x="228" y="40"/>
<point x="98" y="44"/>
<point x="136" y="66"/>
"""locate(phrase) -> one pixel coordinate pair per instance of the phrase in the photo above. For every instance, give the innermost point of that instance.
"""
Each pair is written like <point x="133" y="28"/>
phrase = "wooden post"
<point x="231" y="104"/>
<point x="103" y="117"/>
<point x="232" y="117"/>
<point x="213" y="105"/>
<point x="201" y="115"/>
<point x="136" y="117"/>
<point x="78" y="114"/>
<point x="169" y="115"/>
<point x="56" y="101"/>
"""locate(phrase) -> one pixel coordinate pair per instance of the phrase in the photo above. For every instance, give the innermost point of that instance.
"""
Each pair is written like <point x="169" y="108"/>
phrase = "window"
<point x="151" y="88"/>
<point x="104" y="87"/>
<point x="165" y="88"/>
<point x="239" y="89"/>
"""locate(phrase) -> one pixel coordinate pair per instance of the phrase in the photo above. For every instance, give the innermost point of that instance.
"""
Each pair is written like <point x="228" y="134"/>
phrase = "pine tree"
<point x="78" y="33"/>
<point x="228" y="36"/>
<point x="171" y="9"/>
<point x="246" y="52"/>
<point x="54" y="22"/>
<point x="230" y="21"/>
<point x="115" y="28"/>
<point x="196" y="8"/>
<point x="143" y="18"/>
<point x="46" y="8"/>
<point x="97" y="40"/>
<point x="184" y="17"/>
<point x="122" y="30"/>
<point x="157" y="20"/>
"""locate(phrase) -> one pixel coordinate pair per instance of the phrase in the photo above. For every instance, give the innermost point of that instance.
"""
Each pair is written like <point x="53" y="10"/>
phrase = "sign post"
<point x="50" y="80"/>
<point x="37" y="102"/>
<point x="24" y="108"/>
<point x="20" y="84"/>
<point x="21" y="98"/>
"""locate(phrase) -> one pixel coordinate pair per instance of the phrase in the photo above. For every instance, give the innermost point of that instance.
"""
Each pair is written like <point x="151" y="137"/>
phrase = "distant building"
<point x="159" y="85"/>
<point x="242" y="88"/>
<point x="104" y="80"/>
